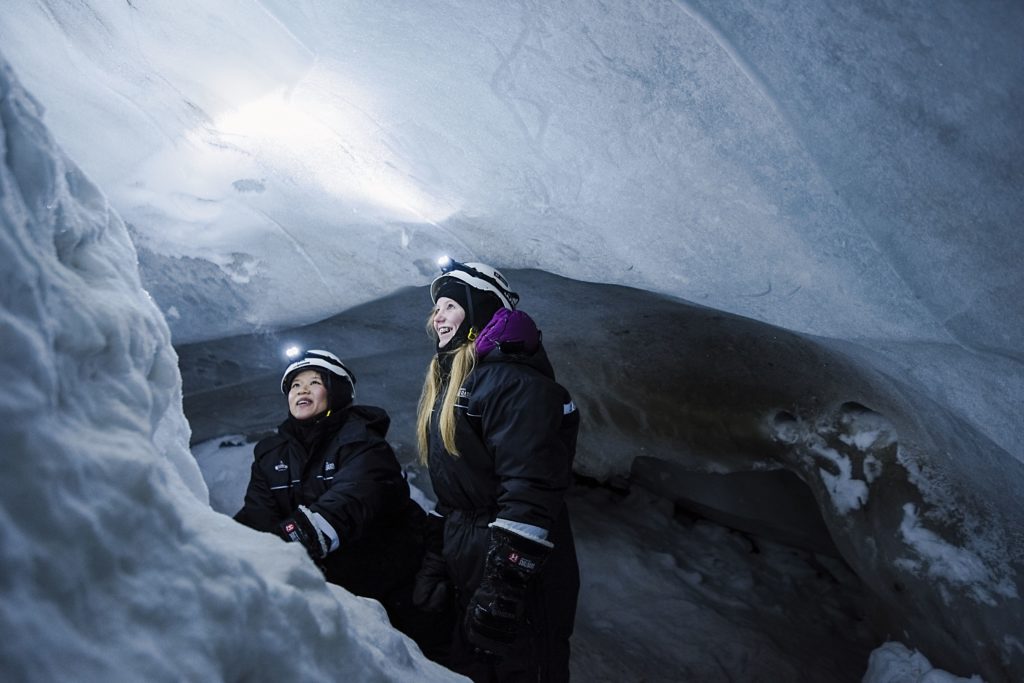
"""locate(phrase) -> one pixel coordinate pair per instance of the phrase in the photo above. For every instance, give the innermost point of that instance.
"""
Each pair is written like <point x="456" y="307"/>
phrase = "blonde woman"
<point x="498" y="435"/>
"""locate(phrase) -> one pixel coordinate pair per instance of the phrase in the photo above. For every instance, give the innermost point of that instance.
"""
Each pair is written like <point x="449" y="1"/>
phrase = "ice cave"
<point x="774" y="248"/>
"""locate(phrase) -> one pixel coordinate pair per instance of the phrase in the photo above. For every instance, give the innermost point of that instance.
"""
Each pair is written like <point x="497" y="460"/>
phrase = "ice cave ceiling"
<point x="757" y="236"/>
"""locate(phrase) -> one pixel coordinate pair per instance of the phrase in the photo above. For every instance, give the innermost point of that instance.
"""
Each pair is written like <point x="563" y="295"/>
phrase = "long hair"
<point x="463" y="362"/>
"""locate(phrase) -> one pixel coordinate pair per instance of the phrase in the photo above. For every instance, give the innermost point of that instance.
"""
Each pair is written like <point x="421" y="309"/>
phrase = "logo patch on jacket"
<point x="280" y="466"/>
<point x="329" y="467"/>
<point x="463" y="393"/>
<point x="520" y="561"/>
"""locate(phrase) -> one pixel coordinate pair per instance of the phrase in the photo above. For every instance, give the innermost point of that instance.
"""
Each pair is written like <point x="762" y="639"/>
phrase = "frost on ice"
<point x="114" y="565"/>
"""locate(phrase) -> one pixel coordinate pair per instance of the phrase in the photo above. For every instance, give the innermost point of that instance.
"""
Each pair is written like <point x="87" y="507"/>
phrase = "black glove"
<point x="495" y="611"/>
<point x="432" y="588"/>
<point x="301" y="529"/>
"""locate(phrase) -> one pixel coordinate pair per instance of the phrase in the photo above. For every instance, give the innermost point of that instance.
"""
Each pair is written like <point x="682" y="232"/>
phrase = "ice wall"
<point x="912" y="112"/>
<point x="113" y="565"/>
<point x="920" y="502"/>
<point x="843" y="171"/>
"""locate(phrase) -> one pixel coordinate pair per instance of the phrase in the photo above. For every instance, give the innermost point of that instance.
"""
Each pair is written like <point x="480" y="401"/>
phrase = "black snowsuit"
<point x="343" y="468"/>
<point x="516" y="434"/>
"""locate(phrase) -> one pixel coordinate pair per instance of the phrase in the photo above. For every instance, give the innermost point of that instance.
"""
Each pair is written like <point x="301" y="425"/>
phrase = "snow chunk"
<point x="944" y="561"/>
<point x="847" y="493"/>
<point x="894" y="663"/>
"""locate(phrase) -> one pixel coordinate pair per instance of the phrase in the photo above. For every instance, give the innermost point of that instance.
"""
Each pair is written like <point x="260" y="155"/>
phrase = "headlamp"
<point x="447" y="265"/>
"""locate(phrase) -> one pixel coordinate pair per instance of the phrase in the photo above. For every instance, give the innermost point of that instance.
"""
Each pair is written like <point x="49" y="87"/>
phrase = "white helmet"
<point x="317" y="358"/>
<point x="478" y="276"/>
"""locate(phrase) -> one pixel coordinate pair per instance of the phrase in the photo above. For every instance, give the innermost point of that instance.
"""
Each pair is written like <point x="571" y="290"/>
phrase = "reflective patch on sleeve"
<point x="534" y="533"/>
<point x="328" y="530"/>
<point x="569" y="407"/>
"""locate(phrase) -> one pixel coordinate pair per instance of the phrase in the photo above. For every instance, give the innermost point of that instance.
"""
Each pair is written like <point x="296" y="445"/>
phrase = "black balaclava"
<point x="339" y="392"/>
<point x="480" y="307"/>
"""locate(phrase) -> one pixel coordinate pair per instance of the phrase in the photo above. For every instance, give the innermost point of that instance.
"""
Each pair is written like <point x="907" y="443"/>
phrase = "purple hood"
<point x="514" y="331"/>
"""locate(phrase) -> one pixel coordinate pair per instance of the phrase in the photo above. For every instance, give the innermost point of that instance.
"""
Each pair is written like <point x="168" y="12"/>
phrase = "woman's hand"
<point x="495" y="611"/>
<point x="302" y="529"/>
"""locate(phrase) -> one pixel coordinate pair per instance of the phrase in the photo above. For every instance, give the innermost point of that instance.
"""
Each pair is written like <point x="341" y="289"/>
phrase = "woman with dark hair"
<point x="329" y="480"/>
<point x="498" y="435"/>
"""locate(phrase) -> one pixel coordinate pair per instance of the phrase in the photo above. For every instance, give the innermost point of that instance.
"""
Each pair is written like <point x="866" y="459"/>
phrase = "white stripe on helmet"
<point x="508" y="298"/>
<point x="320" y="359"/>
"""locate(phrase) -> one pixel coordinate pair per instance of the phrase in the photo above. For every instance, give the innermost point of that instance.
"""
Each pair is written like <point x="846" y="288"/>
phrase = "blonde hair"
<point x="463" y="362"/>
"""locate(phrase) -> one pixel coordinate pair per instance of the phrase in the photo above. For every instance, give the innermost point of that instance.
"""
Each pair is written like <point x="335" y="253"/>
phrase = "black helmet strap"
<point x="472" y="331"/>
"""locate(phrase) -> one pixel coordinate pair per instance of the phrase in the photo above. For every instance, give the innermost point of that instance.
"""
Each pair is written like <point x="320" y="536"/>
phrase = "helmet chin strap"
<point x="472" y="332"/>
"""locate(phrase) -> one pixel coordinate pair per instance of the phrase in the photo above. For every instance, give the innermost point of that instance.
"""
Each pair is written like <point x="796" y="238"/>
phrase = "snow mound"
<point x="114" y="567"/>
<point x="894" y="663"/>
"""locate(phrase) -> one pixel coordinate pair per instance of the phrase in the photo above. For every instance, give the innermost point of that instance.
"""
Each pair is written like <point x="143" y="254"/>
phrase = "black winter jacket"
<point x="516" y="434"/>
<point x="344" y="469"/>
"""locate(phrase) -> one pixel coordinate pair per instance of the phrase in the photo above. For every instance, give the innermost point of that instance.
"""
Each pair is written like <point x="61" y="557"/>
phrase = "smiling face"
<point x="307" y="395"/>
<point x="448" y="315"/>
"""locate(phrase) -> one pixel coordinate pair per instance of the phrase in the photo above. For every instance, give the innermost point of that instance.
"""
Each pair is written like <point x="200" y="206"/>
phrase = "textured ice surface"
<point x="114" y="565"/>
<point x="830" y="169"/>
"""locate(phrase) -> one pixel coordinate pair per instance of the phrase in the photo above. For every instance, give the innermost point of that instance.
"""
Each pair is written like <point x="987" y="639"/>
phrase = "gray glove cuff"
<point x="315" y="521"/>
